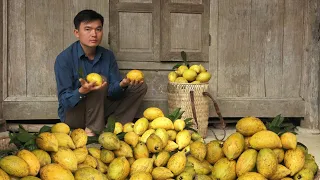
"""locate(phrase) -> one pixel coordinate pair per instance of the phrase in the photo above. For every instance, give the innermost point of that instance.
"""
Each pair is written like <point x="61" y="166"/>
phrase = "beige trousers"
<point x="93" y="111"/>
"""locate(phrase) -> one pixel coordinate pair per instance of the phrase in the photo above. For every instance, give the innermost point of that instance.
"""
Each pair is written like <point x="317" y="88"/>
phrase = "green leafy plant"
<point x="278" y="127"/>
<point x="177" y="114"/>
<point x="185" y="61"/>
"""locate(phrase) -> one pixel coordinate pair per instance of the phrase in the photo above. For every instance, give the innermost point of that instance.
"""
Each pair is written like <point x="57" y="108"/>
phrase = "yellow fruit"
<point x="79" y="137"/>
<point x="177" y="163"/>
<point x="88" y="173"/>
<point x="185" y="176"/>
<point x="141" y="176"/>
<point x="163" y="135"/>
<point x="140" y="126"/>
<point x="119" y="168"/>
<point x="288" y="140"/>
<point x="224" y="169"/>
<point x="195" y="82"/>
<point x="162" y="158"/>
<point x="181" y="70"/>
<point x="294" y="160"/>
<point x="267" y="162"/>
<point x="171" y="146"/>
<point x="233" y="146"/>
<point x="131" y="160"/>
<point x="154" y="143"/>
<point x="203" y="77"/>
<point x="109" y="141"/>
<point x="161" y="122"/>
<point x="196" y="68"/>
<point x="60" y="128"/>
<point x="43" y="157"/>
<point x="172" y="76"/>
<point x="172" y="134"/>
<point x="135" y="75"/>
<point x="311" y="164"/>
<point x="82" y="165"/>
<point x="128" y="127"/>
<point x="146" y="135"/>
<point x="181" y="80"/>
<point x="140" y="151"/>
<point x="305" y="174"/>
<point x="124" y="150"/>
<point x="101" y="166"/>
<point x="246" y="161"/>
<point x="142" y="165"/>
<point x="183" y="139"/>
<point x="81" y="154"/>
<point x="94" y="152"/>
<point x="4" y="175"/>
<point x="179" y="124"/>
<point x="66" y="158"/>
<point x="203" y="177"/>
<point x="252" y="176"/>
<point x="246" y="142"/>
<point x="214" y="151"/>
<point x="202" y="69"/>
<point x="32" y="161"/>
<point x="64" y="140"/>
<point x="249" y="125"/>
<point x="198" y="150"/>
<point x="189" y="75"/>
<point x="30" y="178"/>
<point x="280" y="173"/>
<point x="200" y="167"/>
<point x="95" y="77"/>
<point x="55" y="172"/>
<point x="279" y="153"/>
<point x="265" y="139"/>
<point x="106" y="156"/>
<point x="14" y="166"/>
<point x="47" y="142"/>
<point x="162" y="173"/>
<point x="118" y="128"/>
<point x="90" y="161"/>
<point x="152" y="113"/>
<point x="131" y="138"/>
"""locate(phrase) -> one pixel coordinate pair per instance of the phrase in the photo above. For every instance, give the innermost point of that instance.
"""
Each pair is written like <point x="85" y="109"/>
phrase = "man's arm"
<point x="68" y="95"/>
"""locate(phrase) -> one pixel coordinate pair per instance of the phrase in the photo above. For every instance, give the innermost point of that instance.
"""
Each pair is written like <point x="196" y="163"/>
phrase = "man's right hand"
<point x="88" y="87"/>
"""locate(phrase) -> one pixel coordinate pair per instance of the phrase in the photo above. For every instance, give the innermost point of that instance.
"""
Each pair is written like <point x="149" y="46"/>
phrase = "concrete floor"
<point x="307" y="137"/>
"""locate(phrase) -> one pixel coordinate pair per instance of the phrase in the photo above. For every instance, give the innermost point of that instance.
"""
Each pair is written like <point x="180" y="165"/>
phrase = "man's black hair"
<point x="87" y="15"/>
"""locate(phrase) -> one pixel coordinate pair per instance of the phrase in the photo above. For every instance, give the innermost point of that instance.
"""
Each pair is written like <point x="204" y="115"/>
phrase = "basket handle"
<point x="222" y="122"/>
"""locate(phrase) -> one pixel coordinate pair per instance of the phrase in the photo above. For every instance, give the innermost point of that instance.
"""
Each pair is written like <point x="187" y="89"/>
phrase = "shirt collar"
<point x="81" y="52"/>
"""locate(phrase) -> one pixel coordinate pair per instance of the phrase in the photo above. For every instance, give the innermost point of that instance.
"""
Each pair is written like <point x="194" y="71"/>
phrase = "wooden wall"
<point x="264" y="55"/>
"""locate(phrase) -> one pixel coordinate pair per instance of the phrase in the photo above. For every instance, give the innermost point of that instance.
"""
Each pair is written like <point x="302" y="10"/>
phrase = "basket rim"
<point x="188" y="83"/>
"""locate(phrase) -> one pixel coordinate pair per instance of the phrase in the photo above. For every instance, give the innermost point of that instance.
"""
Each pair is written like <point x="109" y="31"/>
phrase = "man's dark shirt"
<point x="72" y="64"/>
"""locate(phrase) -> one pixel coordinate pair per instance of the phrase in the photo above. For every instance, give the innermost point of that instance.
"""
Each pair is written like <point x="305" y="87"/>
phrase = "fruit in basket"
<point x="136" y="75"/>
<point x="294" y="160"/>
<point x="4" y="175"/>
<point x="141" y="126"/>
<point x="246" y="162"/>
<point x="279" y="153"/>
<point x="181" y="80"/>
<point x="265" y="139"/>
<point x="118" y="128"/>
<point x="163" y="135"/>
<point x="124" y="150"/>
<point x="88" y="173"/>
<point x="179" y="124"/>
<point x="154" y="143"/>
<point x="177" y="163"/>
<point x="81" y="154"/>
<point x="189" y="75"/>
<point x="195" y="68"/>
<point x="288" y="140"/>
<point x="304" y="174"/>
<point x="79" y="137"/>
<point x="311" y="164"/>
<point x="162" y="173"/>
<point x="214" y="151"/>
<point x="280" y="173"/>
<point x="43" y="157"/>
<point x="172" y="76"/>
<point x="131" y="138"/>
<point x="198" y="150"/>
<point x="47" y="142"/>
<point x="267" y="162"/>
<point x="14" y="166"/>
<point x="161" y="122"/>
<point x="181" y="70"/>
<point x="183" y="139"/>
<point x="55" y="172"/>
<point x="161" y="159"/>
<point x="251" y="176"/>
<point x="109" y="141"/>
<point x="66" y="158"/>
<point x="250" y="125"/>
<point x="128" y="127"/>
<point x="64" y="140"/>
<point x="29" y="178"/>
<point x="233" y="146"/>
<point x="152" y="113"/>
<point x="142" y="165"/>
<point x="119" y="168"/>
<point x="95" y="77"/>
<point x="203" y="77"/>
<point x="141" y="151"/>
<point x="32" y="161"/>
<point x="60" y="128"/>
<point x="141" y="175"/>
<point x="224" y="169"/>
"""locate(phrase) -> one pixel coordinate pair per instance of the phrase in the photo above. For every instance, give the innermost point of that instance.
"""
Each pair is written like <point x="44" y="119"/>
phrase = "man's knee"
<point x="144" y="88"/>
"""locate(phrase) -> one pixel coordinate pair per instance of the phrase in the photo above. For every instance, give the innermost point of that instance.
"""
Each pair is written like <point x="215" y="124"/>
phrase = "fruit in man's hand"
<point x="95" y="77"/>
<point x="135" y="75"/>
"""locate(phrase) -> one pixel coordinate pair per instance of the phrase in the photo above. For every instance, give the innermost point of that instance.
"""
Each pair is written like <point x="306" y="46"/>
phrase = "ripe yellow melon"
<point x="135" y="75"/>
<point x="95" y="77"/>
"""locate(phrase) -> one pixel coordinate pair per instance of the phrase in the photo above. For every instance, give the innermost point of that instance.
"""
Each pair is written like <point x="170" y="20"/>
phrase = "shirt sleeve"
<point x="68" y="96"/>
<point x="115" y="91"/>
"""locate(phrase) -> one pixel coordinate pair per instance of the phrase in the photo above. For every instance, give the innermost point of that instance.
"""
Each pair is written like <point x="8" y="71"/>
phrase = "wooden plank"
<point x="70" y="10"/>
<point x="43" y="44"/>
<point x="156" y="66"/>
<point x="186" y="8"/>
<point x="4" y="51"/>
<point x="213" y="48"/>
<point x="233" y="48"/>
<point x="135" y="7"/>
<point x="2" y="24"/>
<point x="232" y="107"/>
<point x="311" y="80"/>
<point x="292" y="48"/>
<point x="16" y="62"/>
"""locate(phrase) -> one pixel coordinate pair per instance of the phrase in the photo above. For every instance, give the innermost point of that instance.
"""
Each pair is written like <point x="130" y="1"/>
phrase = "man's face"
<point x="90" y="33"/>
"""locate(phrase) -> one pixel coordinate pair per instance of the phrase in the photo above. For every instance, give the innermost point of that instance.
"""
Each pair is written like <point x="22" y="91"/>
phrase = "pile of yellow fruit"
<point x="155" y="147"/>
<point x="195" y="74"/>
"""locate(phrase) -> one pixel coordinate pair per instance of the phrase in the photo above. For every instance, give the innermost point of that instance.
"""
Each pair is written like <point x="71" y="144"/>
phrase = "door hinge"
<point x="209" y="39"/>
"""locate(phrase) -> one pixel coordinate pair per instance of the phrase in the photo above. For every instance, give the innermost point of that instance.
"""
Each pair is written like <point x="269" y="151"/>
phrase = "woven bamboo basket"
<point x="179" y="97"/>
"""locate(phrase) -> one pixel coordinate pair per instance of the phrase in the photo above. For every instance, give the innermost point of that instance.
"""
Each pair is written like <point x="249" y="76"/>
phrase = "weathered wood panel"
<point x="187" y="1"/>
<point x="233" y="48"/>
<point x="185" y="27"/>
<point x="42" y="45"/>
<point x="70" y="10"/>
<point x="292" y="48"/>
<point x="2" y="23"/>
<point x="16" y="78"/>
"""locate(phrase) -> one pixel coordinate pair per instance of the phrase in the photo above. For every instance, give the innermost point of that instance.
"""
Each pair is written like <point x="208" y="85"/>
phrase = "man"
<point x="83" y="104"/>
